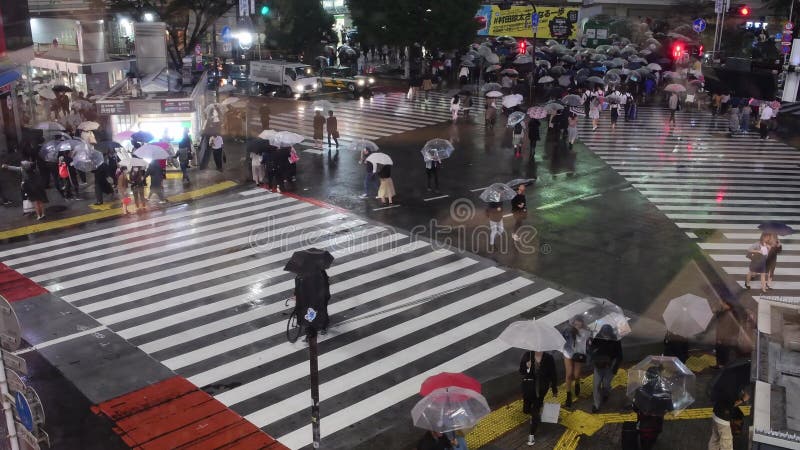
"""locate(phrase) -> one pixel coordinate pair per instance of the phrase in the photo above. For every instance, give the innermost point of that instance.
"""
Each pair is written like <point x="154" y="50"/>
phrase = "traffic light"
<point x="743" y="11"/>
<point x="523" y="46"/>
<point x="677" y="50"/>
<point x="264" y="10"/>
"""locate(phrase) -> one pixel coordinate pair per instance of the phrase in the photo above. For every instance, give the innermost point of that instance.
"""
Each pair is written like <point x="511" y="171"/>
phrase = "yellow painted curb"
<point x="496" y="424"/>
<point x="112" y="212"/>
<point x="568" y="441"/>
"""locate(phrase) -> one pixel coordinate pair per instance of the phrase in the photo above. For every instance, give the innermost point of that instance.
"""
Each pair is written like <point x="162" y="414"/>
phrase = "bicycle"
<point x="293" y="327"/>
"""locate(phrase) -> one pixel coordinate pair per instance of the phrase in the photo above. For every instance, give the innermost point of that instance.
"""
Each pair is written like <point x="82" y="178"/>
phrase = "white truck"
<point x="284" y="78"/>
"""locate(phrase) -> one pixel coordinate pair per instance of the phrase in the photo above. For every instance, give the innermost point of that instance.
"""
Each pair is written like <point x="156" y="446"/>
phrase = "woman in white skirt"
<point x="258" y="170"/>
<point x="572" y="128"/>
<point x="386" y="189"/>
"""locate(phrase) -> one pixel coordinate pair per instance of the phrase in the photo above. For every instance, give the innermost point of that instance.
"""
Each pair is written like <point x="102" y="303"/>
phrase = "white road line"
<point x="374" y="404"/>
<point x="434" y="198"/>
<point x="355" y="348"/>
<point x="69" y="337"/>
<point x="385" y="207"/>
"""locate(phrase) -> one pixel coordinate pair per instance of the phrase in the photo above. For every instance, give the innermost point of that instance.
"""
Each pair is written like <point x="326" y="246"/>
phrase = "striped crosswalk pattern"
<point x="715" y="187"/>
<point x="204" y="292"/>
<point x="380" y="116"/>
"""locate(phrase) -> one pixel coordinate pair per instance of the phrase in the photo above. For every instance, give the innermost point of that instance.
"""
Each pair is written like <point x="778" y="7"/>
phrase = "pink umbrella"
<point x="124" y="136"/>
<point x="537" y="112"/>
<point x="164" y="145"/>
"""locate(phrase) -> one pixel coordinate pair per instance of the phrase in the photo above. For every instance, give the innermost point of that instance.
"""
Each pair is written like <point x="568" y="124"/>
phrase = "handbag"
<point x="550" y="412"/>
<point x="335" y="134"/>
<point x="27" y="206"/>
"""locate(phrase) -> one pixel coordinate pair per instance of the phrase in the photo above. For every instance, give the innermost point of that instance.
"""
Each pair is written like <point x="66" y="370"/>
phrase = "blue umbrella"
<point x="779" y="228"/>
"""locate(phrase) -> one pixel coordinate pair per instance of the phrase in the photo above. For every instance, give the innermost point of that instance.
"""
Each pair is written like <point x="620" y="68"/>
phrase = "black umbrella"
<point x="310" y="260"/>
<point x="61" y="88"/>
<point x="107" y="146"/>
<point x="142" y="136"/>
<point x="779" y="228"/>
<point x="257" y="145"/>
<point x="728" y="382"/>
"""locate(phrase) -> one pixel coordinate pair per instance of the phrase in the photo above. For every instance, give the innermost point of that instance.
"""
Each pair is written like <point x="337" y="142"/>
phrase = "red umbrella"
<point x="447" y="379"/>
<point x="164" y="145"/>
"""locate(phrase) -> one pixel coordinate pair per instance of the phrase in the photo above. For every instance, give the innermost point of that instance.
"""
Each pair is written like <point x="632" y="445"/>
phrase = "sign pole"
<point x="535" y="26"/>
<point x="7" y="408"/>
<point x="313" y="354"/>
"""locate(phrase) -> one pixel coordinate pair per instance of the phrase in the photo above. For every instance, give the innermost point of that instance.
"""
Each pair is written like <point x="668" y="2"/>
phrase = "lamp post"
<point x="535" y="28"/>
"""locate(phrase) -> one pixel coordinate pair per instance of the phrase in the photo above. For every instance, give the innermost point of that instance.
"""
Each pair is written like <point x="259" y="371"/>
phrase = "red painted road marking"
<point x="313" y="201"/>
<point x="15" y="287"/>
<point x="174" y="414"/>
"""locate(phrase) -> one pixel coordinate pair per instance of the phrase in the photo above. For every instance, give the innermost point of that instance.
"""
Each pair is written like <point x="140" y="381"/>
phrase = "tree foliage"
<point x="446" y="24"/>
<point x="298" y="26"/>
<point x="187" y="20"/>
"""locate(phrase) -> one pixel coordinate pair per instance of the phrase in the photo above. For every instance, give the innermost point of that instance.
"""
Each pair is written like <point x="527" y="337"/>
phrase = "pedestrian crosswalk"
<point x="203" y="291"/>
<point x="715" y="187"/>
<point x="380" y="116"/>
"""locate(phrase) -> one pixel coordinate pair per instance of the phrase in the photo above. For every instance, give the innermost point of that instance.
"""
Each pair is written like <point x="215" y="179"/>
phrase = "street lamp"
<point x="148" y="17"/>
<point x="245" y="39"/>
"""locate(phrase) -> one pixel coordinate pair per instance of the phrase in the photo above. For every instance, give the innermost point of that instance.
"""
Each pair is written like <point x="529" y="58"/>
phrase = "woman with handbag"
<point x="775" y="247"/>
<point x="32" y="188"/>
<point x="538" y="370"/>
<point x="758" y="262"/>
<point x="333" y="129"/>
<point x="577" y="337"/>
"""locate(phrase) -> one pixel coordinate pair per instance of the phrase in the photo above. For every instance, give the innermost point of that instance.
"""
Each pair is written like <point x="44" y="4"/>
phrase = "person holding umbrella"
<point x="572" y="129"/>
<point x="673" y="106"/>
<point x="726" y="413"/>
<point x="138" y="183"/>
<point x="32" y="187"/>
<point x="386" y="189"/>
<point x="519" y="208"/>
<point x="454" y="107"/>
<point x="156" y="174"/>
<point x="494" y="211"/>
<point x="333" y="130"/>
<point x="369" y="177"/>
<point x="594" y="112"/>
<point x="757" y="253"/>
<point x="432" y="164"/>
<point x="614" y="107"/>
<point x="775" y="247"/>
<point x="606" y="356"/>
<point x="538" y="370"/>
<point x="516" y="139"/>
<point x="576" y="338"/>
<point x="650" y="418"/>
<point x="319" y="124"/>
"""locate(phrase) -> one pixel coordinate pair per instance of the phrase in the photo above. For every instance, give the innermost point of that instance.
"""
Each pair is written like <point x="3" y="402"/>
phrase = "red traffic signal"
<point x="677" y="51"/>
<point x="744" y="11"/>
<point x="523" y="46"/>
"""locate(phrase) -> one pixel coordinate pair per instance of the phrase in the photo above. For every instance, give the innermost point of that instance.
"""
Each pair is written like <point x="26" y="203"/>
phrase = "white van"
<point x="285" y="78"/>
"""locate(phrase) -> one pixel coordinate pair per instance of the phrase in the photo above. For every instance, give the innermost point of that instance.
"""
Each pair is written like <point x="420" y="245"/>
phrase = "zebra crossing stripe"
<point x="717" y="189"/>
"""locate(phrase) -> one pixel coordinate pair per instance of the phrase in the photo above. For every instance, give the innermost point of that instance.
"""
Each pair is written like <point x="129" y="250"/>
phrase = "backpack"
<point x="598" y="358"/>
<point x="63" y="171"/>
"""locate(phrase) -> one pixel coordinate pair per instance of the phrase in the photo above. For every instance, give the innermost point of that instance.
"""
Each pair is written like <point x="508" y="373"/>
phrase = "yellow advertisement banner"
<point x="555" y="22"/>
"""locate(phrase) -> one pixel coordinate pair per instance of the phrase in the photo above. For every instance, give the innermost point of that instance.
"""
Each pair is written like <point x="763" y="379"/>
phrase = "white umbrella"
<point x="89" y="126"/>
<point x="151" y="151"/>
<point x="380" y="158"/>
<point x="492" y="58"/>
<point x="654" y="66"/>
<point x="687" y="315"/>
<point x="533" y="335"/>
<point x="510" y="101"/>
<point x="449" y="409"/>
<point x="494" y="94"/>
<point x="133" y="162"/>
<point x="49" y="126"/>
<point x="286" y="139"/>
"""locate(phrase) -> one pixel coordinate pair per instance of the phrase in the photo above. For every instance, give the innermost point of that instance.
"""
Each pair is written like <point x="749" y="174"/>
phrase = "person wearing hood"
<point x="605" y="354"/>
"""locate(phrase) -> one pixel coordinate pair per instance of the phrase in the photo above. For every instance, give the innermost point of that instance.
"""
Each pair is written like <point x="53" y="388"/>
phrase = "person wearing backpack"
<point x="605" y="354"/>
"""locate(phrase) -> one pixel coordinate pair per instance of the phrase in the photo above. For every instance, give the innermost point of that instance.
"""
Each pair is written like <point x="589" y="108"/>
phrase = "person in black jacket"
<point x="605" y="352"/>
<point x="538" y="370"/>
<point x="434" y="441"/>
<point x="533" y="136"/>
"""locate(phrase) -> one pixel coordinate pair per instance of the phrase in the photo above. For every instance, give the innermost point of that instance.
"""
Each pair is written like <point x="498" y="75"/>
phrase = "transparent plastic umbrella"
<point x="545" y="79"/>
<point x="362" y="144"/>
<point x="564" y="80"/>
<point x="322" y="105"/>
<point x="286" y="139"/>
<point x="49" y="151"/>
<point x="492" y="58"/>
<point x="498" y="192"/>
<point x="87" y="160"/>
<point x="449" y="409"/>
<point x="654" y="66"/>
<point x="515" y="118"/>
<point x="518" y="181"/>
<point x="687" y="315"/>
<point x="598" y="312"/>
<point x="494" y="94"/>
<point x="553" y="107"/>
<point x="523" y="59"/>
<point x="533" y="335"/>
<point x="73" y="145"/>
<point x="441" y="148"/>
<point x="89" y="126"/>
<point x="132" y="162"/>
<point x="660" y="384"/>
<point x="267" y="134"/>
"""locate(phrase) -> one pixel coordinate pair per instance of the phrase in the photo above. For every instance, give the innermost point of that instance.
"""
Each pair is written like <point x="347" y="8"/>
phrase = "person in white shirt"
<point x="463" y="75"/>
<point x="216" y="150"/>
<point x="765" y="115"/>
